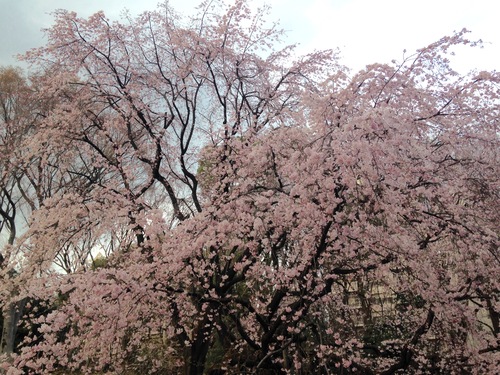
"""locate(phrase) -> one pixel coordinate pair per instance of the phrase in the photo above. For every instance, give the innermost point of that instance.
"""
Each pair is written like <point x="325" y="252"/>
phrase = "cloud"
<point x="366" y="31"/>
<point x="21" y="21"/>
<point x="378" y="31"/>
<point x="20" y="29"/>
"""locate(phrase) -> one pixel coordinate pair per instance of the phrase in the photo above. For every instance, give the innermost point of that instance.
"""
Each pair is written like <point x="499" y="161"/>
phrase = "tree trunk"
<point x="11" y="315"/>
<point x="200" y="346"/>
<point x="199" y="351"/>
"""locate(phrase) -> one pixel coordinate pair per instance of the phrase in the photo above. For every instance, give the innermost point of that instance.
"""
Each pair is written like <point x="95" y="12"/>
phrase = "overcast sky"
<point x="366" y="31"/>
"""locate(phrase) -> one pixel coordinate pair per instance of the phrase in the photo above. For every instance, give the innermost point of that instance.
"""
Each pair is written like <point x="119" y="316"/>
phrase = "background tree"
<point x="15" y="113"/>
<point x="258" y="193"/>
<point x="35" y="174"/>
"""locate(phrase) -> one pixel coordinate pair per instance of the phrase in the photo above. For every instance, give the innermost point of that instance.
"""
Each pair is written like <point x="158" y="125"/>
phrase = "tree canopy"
<point x="199" y="201"/>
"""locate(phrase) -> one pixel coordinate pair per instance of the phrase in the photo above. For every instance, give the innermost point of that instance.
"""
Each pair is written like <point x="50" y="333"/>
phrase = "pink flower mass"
<point x="181" y="196"/>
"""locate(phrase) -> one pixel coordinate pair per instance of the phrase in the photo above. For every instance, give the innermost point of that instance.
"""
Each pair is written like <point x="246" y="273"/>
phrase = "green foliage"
<point x="408" y="300"/>
<point x="100" y="261"/>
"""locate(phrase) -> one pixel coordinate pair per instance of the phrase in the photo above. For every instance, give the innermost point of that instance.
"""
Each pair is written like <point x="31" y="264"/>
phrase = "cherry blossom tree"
<point x="27" y="180"/>
<point x="281" y="215"/>
<point x="15" y="116"/>
<point x="34" y="173"/>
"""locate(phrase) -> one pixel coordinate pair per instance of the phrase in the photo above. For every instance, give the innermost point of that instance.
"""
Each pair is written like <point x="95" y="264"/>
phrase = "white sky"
<point x="366" y="31"/>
